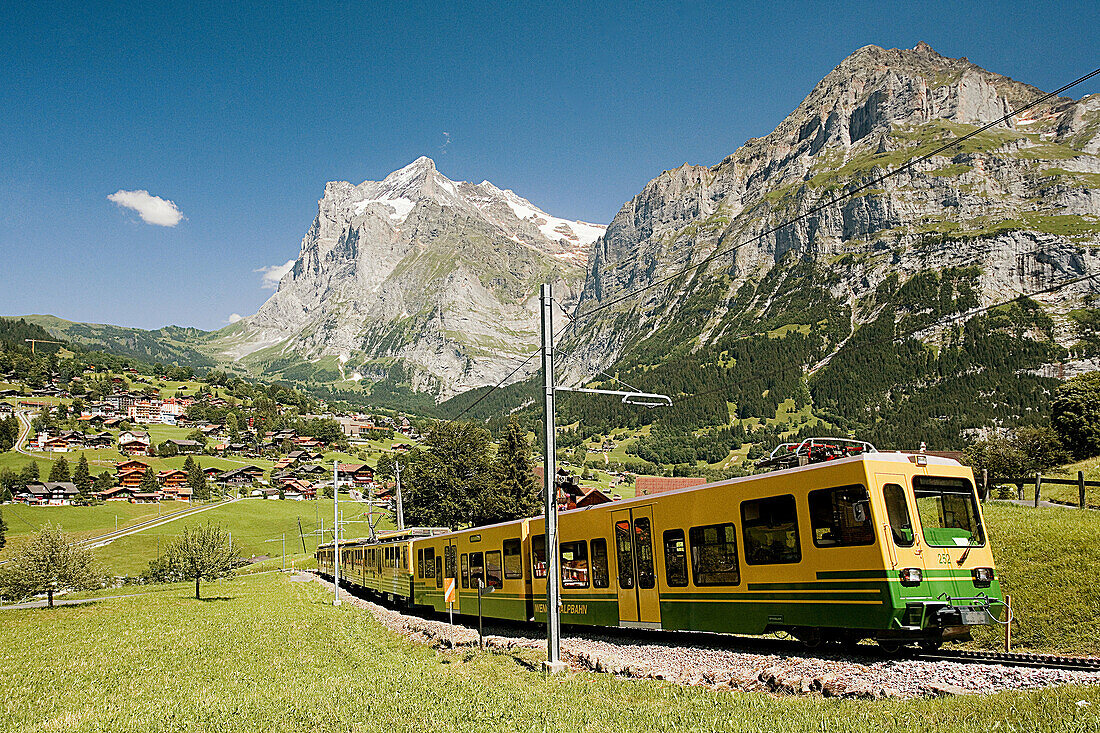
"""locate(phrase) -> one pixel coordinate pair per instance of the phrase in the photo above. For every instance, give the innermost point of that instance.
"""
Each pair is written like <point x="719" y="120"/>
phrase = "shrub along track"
<point x="751" y="663"/>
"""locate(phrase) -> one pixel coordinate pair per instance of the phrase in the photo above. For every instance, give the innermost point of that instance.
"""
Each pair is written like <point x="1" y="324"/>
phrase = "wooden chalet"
<point x="130" y="479"/>
<point x="172" y="477"/>
<point x="359" y="474"/>
<point x="52" y="493"/>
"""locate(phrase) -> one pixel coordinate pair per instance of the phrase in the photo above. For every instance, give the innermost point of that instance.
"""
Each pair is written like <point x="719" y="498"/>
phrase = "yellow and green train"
<point x="883" y="546"/>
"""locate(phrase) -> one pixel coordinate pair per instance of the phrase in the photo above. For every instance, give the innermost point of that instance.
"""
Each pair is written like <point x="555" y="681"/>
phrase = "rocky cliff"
<point x="1013" y="210"/>
<point x="434" y="278"/>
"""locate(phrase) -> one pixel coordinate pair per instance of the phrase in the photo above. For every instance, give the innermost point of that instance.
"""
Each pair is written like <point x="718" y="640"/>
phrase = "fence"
<point x="1038" y="481"/>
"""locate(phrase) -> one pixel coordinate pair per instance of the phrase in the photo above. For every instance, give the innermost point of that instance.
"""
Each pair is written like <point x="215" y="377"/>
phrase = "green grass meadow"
<point x="1048" y="559"/>
<point x="263" y="653"/>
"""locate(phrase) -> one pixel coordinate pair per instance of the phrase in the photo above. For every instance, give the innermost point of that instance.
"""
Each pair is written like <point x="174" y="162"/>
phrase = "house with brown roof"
<point x="649" y="485"/>
<point x="172" y="477"/>
<point x="358" y="474"/>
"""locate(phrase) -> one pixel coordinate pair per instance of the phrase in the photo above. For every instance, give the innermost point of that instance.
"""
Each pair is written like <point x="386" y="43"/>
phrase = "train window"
<point x="714" y="555"/>
<point x="897" y="511"/>
<point x="643" y="546"/>
<point x="770" y="529"/>
<point x="513" y="560"/>
<point x="624" y="549"/>
<point x="841" y="517"/>
<point x="477" y="568"/>
<point x="948" y="511"/>
<point x="574" y="564"/>
<point x="676" y="573"/>
<point x="429" y="562"/>
<point x="450" y="555"/>
<point x="405" y="557"/>
<point x="538" y="555"/>
<point x="465" y="563"/>
<point x="438" y="571"/>
<point x="494" y="576"/>
<point x="420" y="563"/>
<point x="601" y="578"/>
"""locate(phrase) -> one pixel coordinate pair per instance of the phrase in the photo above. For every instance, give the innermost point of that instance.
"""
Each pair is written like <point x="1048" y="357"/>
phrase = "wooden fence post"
<point x="1038" y="485"/>
<point x="1081" y="488"/>
<point x="985" y="484"/>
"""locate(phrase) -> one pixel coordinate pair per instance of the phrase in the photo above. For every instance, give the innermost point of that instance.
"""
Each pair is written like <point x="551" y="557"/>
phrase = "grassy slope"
<point x="268" y="654"/>
<point x="1047" y="558"/>
<point x="252" y="521"/>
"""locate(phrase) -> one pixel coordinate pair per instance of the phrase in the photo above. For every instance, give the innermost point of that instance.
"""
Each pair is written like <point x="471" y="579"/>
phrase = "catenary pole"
<point x="397" y="496"/>
<point x="553" y="663"/>
<point x="336" y="532"/>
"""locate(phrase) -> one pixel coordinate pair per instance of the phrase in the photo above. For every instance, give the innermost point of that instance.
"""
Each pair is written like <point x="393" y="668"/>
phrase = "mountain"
<point x="414" y="278"/>
<point x="857" y="316"/>
<point x="168" y="345"/>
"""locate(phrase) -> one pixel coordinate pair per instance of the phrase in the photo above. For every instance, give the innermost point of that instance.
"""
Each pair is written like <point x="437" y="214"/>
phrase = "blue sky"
<point x="239" y="115"/>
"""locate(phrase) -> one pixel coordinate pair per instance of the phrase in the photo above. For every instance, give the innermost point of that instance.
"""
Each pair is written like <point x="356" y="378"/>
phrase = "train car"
<point x="839" y="545"/>
<point x="380" y="566"/>
<point x="493" y="557"/>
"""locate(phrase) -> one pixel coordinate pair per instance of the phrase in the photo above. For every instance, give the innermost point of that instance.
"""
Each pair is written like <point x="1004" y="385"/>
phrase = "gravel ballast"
<point x="832" y="675"/>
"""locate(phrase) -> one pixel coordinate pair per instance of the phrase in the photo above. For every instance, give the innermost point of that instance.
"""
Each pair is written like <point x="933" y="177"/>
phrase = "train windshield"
<point x="948" y="510"/>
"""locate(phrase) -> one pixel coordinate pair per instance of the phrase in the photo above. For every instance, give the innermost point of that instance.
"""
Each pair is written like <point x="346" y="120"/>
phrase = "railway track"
<point x="1013" y="659"/>
<point x="771" y="645"/>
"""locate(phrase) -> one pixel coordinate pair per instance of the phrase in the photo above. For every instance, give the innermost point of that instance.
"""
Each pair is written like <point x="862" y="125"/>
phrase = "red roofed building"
<point x="649" y="485"/>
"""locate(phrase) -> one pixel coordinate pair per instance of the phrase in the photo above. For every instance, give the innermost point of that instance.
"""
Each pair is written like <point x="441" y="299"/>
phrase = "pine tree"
<point x="512" y="492"/>
<point x="60" y="470"/>
<point x="149" y="483"/>
<point x="28" y="474"/>
<point x="103" y="482"/>
<point x="3" y="531"/>
<point x="196" y="479"/>
<point x="82" y="477"/>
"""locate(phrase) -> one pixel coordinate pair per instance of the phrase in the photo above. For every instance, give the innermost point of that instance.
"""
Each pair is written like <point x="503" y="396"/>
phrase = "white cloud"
<point x="272" y="274"/>
<point x="233" y="318"/>
<point x="446" y="142"/>
<point x="151" y="209"/>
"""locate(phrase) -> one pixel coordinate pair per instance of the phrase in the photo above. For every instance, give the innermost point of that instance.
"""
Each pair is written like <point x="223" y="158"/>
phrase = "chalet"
<point x="118" y="493"/>
<point x="130" y="479"/>
<point x="53" y="493"/>
<point x="100" y="440"/>
<point x="134" y="442"/>
<point x="182" y="492"/>
<point x="132" y="465"/>
<point x="54" y="444"/>
<point x="6" y="408"/>
<point x="401" y="447"/>
<point x="172" y="477"/>
<point x="211" y="472"/>
<point x="313" y="470"/>
<point x="236" y="478"/>
<point x="357" y="474"/>
<point x="649" y="485"/>
<point x="255" y="472"/>
<point x="185" y="447"/>
<point x="592" y="496"/>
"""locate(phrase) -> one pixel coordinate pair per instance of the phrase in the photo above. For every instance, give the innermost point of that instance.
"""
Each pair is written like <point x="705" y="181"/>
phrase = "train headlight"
<point x="911" y="576"/>
<point x="982" y="577"/>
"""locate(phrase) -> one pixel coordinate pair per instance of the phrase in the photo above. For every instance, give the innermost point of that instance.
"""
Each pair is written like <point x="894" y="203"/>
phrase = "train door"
<point x="639" y="599"/>
<point x="905" y="547"/>
<point x="450" y="571"/>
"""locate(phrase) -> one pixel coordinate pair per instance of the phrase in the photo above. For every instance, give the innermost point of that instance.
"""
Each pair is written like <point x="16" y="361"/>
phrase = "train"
<point x="837" y="544"/>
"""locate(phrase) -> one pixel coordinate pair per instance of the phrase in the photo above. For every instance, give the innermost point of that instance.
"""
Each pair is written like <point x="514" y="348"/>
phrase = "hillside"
<point x="869" y="312"/>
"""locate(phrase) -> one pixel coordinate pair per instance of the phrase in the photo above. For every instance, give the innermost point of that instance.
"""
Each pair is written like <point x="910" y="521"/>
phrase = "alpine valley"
<point x="894" y="312"/>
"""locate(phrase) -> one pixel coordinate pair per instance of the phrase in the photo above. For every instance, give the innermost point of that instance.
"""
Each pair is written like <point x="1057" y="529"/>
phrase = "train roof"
<point x="924" y="460"/>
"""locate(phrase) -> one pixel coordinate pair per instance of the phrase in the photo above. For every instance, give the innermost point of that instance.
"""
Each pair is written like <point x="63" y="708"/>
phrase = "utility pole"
<point x="553" y="664"/>
<point x="336" y="533"/>
<point x="397" y="496"/>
